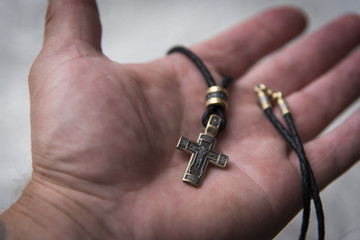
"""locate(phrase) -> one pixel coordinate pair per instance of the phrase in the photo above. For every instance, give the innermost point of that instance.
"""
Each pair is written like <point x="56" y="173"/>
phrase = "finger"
<point x="334" y="153"/>
<point x="234" y="51"/>
<point x="319" y="103"/>
<point x="71" y="22"/>
<point x="297" y="65"/>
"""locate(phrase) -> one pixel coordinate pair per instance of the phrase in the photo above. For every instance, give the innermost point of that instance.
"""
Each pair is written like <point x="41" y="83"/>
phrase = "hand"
<point x="105" y="165"/>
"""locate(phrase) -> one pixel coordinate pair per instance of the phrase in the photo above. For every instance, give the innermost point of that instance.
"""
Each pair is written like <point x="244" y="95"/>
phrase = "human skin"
<point x="103" y="133"/>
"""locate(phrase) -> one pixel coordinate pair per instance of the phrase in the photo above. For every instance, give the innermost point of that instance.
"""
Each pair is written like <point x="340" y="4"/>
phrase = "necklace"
<point x="214" y="120"/>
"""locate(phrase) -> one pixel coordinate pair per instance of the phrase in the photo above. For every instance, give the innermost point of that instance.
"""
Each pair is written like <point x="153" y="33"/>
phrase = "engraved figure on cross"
<point x="202" y="153"/>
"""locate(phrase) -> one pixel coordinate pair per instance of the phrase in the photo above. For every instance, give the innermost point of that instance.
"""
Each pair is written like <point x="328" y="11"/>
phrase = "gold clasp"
<point x="265" y="93"/>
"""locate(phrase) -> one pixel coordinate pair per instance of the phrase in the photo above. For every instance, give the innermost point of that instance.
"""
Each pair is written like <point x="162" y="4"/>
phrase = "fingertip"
<point x="292" y="14"/>
<point x="352" y="16"/>
<point x="352" y="19"/>
<point x="238" y="48"/>
<point x="68" y="21"/>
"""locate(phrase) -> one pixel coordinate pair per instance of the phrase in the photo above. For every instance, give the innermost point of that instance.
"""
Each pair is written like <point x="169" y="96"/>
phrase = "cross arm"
<point x="218" y="159"/>
<point x="187" y="145"/>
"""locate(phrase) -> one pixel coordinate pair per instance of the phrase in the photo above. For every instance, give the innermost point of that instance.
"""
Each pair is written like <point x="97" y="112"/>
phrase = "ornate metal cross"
<point x="202" y="153"/>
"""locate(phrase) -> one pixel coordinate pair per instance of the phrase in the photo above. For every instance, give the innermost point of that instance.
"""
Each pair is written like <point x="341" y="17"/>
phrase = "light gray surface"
<point x="140" y="31"/>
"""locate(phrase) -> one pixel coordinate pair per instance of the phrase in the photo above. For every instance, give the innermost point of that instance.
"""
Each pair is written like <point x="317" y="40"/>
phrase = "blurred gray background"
<point x="141" y="30"/>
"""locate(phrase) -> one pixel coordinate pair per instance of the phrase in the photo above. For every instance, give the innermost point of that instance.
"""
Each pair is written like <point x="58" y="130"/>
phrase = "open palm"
<point x="104" y="134"/>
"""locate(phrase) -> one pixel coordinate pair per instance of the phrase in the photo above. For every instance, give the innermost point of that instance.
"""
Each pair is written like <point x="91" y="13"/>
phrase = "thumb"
<point x="72" y="31"/>
<point x="72" y="25"/>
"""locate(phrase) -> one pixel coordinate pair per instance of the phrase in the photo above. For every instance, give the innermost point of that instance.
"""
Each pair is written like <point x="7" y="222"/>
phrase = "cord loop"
<point x="216" y="98"/>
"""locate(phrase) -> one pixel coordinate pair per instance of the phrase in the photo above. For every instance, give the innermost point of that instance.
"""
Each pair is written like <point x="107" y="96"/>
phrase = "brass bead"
<point x="217" y="95"/>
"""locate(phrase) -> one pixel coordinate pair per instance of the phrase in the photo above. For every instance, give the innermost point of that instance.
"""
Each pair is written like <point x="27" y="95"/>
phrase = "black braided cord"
<point x="306" y="187"/>
<point x="211" y="109"/>
<point x="310" y="188"/>
<point x="314" y="189"/>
